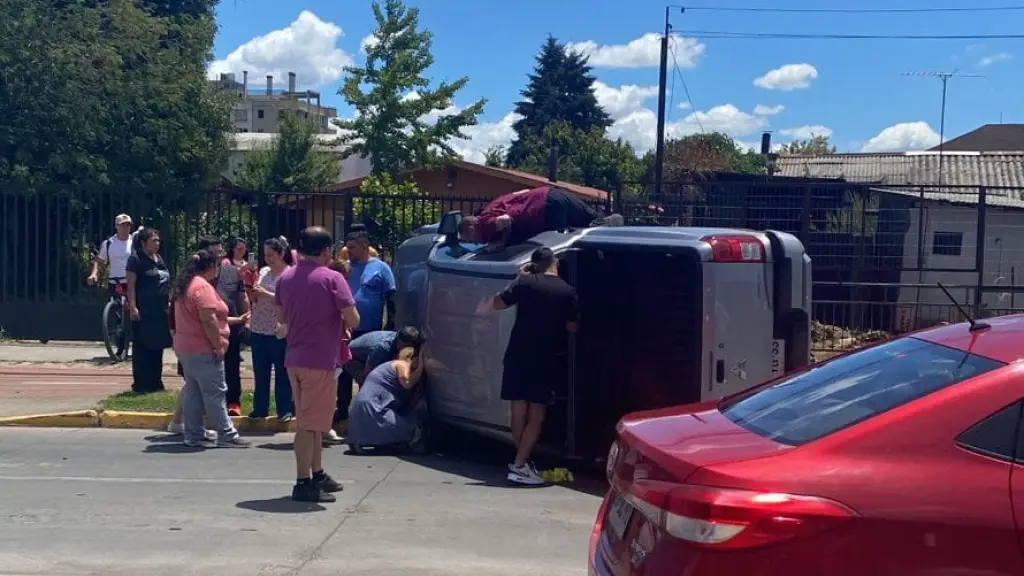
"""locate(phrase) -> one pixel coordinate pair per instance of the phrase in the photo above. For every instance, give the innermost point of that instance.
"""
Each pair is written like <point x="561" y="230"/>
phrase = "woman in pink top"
<point x="200" y="342"/>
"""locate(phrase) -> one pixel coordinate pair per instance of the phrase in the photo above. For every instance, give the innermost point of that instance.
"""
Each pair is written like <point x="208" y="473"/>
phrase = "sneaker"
<point x="331" y="438"/>
<point x="234" y="410"/>
<point x="311" y="492"/>
<point x="176" y="428"/>
<point x="236" y="442"/>
<point x="255" y="416"/>
<point x="524" y="475"/>
<point x="328" y="484"/>
<point x="286" y="418"/>
<point x="205" y="443"/>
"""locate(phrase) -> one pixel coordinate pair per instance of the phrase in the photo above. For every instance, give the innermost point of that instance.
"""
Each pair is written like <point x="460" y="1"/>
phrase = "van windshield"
<point x="841" y="393"/>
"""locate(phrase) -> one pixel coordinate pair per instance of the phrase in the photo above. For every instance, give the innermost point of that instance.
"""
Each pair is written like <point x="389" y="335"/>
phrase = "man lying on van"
<point x="514" y="218"/>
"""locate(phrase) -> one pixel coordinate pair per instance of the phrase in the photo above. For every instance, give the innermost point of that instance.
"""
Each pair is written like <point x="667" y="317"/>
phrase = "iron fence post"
<point x="979" y="248"/>
<point x="263" y="226"/>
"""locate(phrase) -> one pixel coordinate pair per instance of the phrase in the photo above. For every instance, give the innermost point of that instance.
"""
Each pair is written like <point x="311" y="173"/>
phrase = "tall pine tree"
<point x="560" y="91"/>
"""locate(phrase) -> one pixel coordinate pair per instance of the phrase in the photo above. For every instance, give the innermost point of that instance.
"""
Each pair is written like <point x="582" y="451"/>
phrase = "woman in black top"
<point x="546" y="311"/>
<point x="149" y="285"/>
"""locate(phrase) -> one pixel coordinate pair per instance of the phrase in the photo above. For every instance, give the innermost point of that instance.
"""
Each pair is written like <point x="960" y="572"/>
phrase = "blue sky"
<point x="851" y="89"/>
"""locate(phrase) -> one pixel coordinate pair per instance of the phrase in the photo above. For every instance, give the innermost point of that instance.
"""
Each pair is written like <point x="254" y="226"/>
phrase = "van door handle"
<point x="720" y="371"/>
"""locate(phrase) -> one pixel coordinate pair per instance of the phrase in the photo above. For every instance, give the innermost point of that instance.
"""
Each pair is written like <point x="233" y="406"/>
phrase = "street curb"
<point x="133" y="421"/>
<point x="77" y="419"/>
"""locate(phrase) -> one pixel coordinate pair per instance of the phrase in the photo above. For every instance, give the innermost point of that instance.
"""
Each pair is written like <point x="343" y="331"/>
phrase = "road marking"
<point x="145" y="480"/>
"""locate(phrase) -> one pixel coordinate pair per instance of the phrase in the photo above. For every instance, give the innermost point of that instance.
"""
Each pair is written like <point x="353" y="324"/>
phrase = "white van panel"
<point x="739" y="315"/>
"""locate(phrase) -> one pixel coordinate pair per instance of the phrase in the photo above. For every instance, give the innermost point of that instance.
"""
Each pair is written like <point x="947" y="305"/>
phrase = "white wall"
<point x="1004" y="254"/>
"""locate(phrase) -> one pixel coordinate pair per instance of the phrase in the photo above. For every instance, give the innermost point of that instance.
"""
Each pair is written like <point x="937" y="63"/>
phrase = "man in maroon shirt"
<point x="516" y="217"/>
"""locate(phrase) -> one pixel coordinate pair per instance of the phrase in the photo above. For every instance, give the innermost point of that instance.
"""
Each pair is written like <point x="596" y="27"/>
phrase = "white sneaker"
<point x="331" y="438"/>
<point x="178" y="428"/>
<point x="525" y="475"/>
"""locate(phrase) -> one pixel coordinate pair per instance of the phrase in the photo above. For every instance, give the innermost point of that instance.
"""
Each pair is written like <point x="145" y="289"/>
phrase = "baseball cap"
<point x="122" y="219"/>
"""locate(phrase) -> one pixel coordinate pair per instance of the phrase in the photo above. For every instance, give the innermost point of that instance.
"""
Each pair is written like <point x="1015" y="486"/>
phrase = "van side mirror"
<point x="449" y="226"/>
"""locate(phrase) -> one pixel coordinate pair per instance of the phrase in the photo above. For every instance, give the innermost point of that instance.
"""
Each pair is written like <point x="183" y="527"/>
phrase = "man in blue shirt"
<point x="373" y="286"/>
<point x="375" y="348"/>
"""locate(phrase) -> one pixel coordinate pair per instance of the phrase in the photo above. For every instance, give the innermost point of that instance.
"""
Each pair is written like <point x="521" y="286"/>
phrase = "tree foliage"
<point x="816" y="145"/>
<point x="296" y="161"/>
<point x="588" y="158"/>
<point x="560" y="91"/>
<point x="98" y="95"/>
<point x="392" y="209"/>
<point x="712" y="152"/>
<point x="393" y="98"/>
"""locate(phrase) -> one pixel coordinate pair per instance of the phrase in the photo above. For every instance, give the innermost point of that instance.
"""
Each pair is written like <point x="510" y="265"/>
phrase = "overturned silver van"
<point x="667" y="316"/>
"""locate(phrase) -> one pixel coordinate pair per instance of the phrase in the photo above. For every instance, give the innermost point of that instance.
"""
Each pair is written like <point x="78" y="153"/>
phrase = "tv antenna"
<point x="944" y="78"/>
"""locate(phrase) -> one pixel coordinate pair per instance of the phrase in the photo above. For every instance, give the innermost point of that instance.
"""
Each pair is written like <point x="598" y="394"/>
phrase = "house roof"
<point x="962" y="173"/>
<point x="525" y="179"/>
<point x="988" y="138"/>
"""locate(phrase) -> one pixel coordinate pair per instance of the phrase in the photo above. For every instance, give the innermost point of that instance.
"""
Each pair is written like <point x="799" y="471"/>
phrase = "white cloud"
<point x="484" y="136"/>
<point x="901" y="137"/>
<point x="684" y="106"/>
<point x="994" y="59"/>
<point x="368" y="41"/>
<point x="788" y="77"/>
<point x="807" y="132"/>
<point x="620" y="102"/>
<point x="639" y="128"/>
<point x="643" y="52"/>
<point x="763" y="110"/>
<point x="307" y="46"/>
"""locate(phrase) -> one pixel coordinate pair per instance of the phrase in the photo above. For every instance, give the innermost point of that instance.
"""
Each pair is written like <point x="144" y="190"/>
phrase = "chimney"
<point x="553" y="162"/>
<point x="245" y="83"/>
<point x="270" y="85"/>
<point x="766" y="143"/>
<point x="291" y="82"/>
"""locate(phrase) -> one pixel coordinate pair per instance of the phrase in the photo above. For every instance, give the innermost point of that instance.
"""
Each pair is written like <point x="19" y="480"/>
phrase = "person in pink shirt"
<point x="316" y="304"/>
<point x="200" y="342"/>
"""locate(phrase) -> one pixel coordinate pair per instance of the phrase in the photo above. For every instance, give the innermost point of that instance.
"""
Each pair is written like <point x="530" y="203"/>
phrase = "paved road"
<point x="116" y="502"/>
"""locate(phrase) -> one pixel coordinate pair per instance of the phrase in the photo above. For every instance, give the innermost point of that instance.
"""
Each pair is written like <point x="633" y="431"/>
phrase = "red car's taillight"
<point x="722" y="518"/>
<point x="735" y="248"/>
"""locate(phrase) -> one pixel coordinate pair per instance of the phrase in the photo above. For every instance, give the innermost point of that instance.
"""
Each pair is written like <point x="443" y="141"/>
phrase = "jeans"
<point x="267" y="355"/>
<point x="233" y="366"/>
<point x="345" y="381"/>
<point x="205" y="390"/>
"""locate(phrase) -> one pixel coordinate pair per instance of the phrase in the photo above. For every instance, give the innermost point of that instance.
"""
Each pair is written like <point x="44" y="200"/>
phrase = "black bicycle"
<point x="117" y="324"/>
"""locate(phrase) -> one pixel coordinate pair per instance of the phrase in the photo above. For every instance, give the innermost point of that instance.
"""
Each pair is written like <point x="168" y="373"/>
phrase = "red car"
<point x="902" y="459"/>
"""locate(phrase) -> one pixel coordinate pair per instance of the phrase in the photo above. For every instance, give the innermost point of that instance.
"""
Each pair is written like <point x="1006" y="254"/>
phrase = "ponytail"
<point x="198" y="263"/>
<point x="540" y="261"/>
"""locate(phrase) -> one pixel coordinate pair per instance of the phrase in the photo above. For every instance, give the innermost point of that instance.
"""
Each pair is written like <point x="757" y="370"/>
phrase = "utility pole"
<point x="944" y="78"/>
<point x="659" y="148"/>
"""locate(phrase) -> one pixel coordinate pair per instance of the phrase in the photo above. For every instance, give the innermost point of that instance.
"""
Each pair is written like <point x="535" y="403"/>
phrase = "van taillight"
<point x="726" y="519"/>
<point x="735" y="248"/>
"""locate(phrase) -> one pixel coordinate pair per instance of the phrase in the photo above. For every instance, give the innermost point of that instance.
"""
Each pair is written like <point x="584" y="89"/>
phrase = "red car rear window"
<point x="848" y="390"/>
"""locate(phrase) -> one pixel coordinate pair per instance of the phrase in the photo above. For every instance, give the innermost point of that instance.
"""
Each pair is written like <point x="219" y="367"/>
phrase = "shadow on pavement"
<point x="281" y="447"/>
<point x="282" y="505"/>
<point x="171" y="448"/>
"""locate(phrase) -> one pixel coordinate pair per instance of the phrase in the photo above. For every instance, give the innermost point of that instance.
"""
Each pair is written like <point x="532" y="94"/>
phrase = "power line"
<point x="686" y="90"/>
<point x="706" y="34"/>
<point x="854" y="10"/>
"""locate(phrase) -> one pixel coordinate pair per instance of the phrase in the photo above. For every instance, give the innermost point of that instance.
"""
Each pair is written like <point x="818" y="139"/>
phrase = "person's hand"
<point x="523" y="270"/>
<point x="218" y="353"/>
<point x="244" y="318"/>
<point x="133" y="311"/>
<point x="92" y="280"/>
<point x="485" y="306"/>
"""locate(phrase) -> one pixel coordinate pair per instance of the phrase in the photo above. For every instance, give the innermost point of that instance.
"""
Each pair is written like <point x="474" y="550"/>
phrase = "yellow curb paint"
<point x="79" y="419"/>
<point x="134" y="420"/>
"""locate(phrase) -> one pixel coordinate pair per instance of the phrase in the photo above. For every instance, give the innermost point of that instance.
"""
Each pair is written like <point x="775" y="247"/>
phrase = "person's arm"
<point x="345" y="302"/>
<point x="408" y="376"/>
<point x="97" y="262"/>
<point x="132" y="277"/>
<point x="390" y="289"/>
<point x="239" y="320"/>
<point x="572" y="313"/>
<point x="243" y="298"/>
<point x="208" y="318"/>
<point x="508" y="297"/>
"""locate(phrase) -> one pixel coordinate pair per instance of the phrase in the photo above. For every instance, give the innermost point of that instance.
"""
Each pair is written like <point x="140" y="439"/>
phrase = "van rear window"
<point x="841" y="393"/>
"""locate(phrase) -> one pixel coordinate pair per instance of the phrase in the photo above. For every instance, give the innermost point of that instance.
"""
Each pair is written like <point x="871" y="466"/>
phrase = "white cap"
<point x="122" y="219"/>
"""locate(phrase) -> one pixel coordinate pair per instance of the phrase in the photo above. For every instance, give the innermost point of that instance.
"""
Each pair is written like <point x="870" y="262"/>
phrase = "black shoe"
<point x="311" y="492"/>
<point x="328" y="484"/>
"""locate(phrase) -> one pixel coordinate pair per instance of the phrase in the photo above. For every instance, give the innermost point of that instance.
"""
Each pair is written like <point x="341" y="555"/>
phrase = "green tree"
<point x="587" y="158"/>
<point x="560" y="90"/>
<point x="495" y="156"/>
<point x="109" y="95"/>
<point x="396" y="208"/>
<point x="712" y="152"/>
<point x="296" y="161"/>
<point x="816" y="145"/>
<point x="392" y="97"/>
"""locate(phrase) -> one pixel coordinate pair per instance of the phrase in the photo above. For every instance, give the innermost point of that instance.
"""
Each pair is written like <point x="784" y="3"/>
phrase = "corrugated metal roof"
<point x="962" y="173"/>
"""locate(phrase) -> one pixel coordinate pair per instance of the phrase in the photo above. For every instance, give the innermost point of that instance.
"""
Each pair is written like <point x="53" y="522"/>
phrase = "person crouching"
<point x="383" y="414"/>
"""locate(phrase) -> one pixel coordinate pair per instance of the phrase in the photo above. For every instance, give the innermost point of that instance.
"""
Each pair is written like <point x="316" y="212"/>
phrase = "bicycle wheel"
<point x="113" y="331"/>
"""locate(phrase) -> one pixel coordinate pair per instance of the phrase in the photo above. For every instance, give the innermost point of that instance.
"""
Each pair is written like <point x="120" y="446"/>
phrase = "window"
<point x="947" y="243"/>
<point x="995" y="436"/>
<point x="841" y="393"/>
<point x="259" y="113"/>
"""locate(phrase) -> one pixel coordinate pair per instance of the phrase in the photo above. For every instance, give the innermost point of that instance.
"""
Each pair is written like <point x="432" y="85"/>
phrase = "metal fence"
<point x="878" y="250"/>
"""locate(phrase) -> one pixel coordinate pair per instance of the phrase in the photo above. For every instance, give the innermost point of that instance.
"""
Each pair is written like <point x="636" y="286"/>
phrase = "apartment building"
<point x="258" y="111"/>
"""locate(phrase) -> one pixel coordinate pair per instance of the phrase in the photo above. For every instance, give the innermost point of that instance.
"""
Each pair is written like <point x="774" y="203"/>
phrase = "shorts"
<point x="525" y="382"/>
<point x="315" y="393"/>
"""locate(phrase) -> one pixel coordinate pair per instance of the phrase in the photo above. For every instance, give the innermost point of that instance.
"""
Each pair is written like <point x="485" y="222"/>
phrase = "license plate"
<point x="618" y="516"/>
<point x="778" y="357"/>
